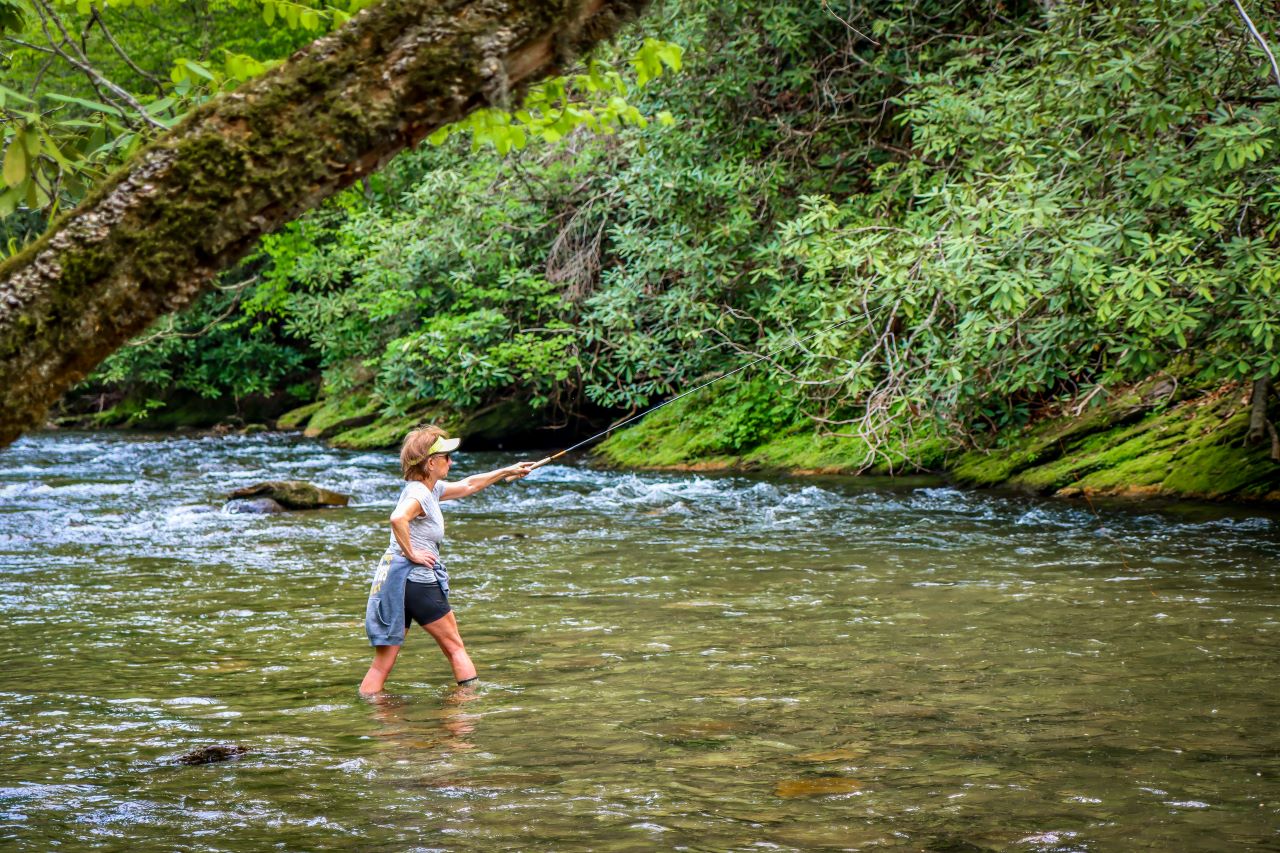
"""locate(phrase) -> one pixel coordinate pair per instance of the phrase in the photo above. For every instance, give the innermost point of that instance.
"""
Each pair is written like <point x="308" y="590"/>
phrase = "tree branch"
<point x="153" y="235"/>
<point x="96" y="17"/>
<point x="1257" y="36"/>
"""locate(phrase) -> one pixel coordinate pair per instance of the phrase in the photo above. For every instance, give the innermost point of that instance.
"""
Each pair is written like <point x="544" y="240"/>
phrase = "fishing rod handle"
<point x="536" y="465"/>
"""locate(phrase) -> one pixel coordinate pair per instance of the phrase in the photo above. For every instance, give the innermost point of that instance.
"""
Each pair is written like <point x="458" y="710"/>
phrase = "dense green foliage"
<point x="1084" y="204"/>
<point x="1010" y="206"/>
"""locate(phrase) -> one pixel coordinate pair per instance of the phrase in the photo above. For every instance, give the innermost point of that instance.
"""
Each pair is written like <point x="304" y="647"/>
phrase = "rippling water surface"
<point x="669" y="661"/>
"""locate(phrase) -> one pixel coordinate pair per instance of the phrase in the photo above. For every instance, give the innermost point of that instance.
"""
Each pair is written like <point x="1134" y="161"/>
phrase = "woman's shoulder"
<point x="418" y="489"/>
<point x="412" y="489"/>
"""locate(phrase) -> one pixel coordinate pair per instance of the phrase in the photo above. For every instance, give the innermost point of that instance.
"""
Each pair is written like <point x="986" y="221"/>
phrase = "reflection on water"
<point x="401" y="728"/>
<point x="669" y="661"/>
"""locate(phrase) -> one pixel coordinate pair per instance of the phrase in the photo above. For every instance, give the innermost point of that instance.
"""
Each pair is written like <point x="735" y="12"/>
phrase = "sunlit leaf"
<point x="15" y="162"/>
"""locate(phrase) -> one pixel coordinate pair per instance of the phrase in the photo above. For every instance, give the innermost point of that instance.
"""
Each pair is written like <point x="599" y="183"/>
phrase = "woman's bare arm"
<point x="476" y="482"/>
<point x="406" y="511"/>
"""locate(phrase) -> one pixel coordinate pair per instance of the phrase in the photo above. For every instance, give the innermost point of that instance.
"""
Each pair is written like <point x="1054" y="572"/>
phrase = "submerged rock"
<point x="820" y="786"/>
<point x="254" y="506"/>
<point x="210" y="754"/>
<point x="292" y="494"/>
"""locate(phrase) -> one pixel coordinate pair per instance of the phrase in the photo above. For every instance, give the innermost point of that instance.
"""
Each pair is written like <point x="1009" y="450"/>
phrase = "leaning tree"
<point x="154" y="234"/>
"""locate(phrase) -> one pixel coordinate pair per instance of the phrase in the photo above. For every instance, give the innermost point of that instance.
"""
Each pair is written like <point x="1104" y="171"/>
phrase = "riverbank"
<point x="1146" y="441"/>
<point x="1156" y="439"/>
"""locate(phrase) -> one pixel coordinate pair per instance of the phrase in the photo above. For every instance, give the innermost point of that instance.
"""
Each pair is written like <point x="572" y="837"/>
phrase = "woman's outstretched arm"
<point x="476" y="482"/>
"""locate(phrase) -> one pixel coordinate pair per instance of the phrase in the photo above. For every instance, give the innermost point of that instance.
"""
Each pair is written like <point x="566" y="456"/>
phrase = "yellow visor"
<point x="444" y="445"/>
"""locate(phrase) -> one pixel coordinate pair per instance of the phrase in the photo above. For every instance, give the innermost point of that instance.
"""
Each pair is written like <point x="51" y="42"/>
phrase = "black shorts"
<point x="424" y="603"/>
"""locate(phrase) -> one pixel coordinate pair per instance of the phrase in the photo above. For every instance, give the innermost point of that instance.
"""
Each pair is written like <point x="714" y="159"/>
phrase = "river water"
<point x="669" y="661"/>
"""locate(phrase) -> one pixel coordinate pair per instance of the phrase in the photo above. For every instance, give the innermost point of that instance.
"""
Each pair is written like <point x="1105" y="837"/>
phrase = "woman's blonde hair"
<point x="415" y="449"/>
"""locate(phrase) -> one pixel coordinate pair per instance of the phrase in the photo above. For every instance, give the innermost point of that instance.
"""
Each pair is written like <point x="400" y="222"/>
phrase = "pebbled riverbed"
<point x="669" y="662"/>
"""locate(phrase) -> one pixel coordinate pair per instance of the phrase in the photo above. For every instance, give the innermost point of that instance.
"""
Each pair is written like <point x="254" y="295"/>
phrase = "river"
<point x="669" y="661"/>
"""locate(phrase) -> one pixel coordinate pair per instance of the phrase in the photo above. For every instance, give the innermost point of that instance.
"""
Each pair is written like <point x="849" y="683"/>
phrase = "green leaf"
<point x="671" y="55"/>
<point x="9" y="201"/>
<point x="198" y="69"/>
<point x="54" y="152"/>
<point x="95" y="106"/>
<point x="31" y="141"/>
<point x="7" y="94"/>
<point x="15" y="162"/>
<point x="159" y="106"/>
<point x="269" y="13"/>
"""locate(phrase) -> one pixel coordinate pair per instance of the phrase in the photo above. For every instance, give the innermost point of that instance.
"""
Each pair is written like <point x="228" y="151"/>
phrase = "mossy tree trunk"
<point x="1260" y="428"/>
<point x="153" y="236"/>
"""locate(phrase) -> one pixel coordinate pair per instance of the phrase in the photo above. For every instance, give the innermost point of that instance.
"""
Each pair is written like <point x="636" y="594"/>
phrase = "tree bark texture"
<point x="152" y="237"/>
<point x="1260" y="428"/>
<point x="1258" y="410"/>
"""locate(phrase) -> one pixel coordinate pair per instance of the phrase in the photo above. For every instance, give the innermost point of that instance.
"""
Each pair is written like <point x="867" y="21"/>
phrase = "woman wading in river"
<point x="410" y="582"/>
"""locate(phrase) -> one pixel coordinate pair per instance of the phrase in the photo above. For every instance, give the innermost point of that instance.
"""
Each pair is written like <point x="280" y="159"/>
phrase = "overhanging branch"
<point x="152" y="237"/>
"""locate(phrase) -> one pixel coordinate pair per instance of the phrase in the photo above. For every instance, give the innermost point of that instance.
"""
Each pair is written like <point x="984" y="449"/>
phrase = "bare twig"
<point x="171" y="332"/>
<point x="96" y="17"/>
<point x="29" y="46"/>
<point x="574" y="257"/>
<point x="1097" y="389"/>
<point x="46" y="14"/>
<point x="1257" y="36"/>
<point x="849" y="26"/>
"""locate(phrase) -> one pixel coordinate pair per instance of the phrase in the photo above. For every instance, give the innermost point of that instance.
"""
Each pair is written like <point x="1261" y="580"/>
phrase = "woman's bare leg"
<point x="445" y="632"/>
<point x="384" y="657"/>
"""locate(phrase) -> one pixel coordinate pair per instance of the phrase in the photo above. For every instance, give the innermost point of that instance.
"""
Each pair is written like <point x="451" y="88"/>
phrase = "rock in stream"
<point x="289" y="494"/>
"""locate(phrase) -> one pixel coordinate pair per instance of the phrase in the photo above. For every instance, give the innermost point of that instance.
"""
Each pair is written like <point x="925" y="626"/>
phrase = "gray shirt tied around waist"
<point x="426" y="531"/>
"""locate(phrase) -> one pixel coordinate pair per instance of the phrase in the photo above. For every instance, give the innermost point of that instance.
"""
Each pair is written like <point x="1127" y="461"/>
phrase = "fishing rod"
<point x="651" y="409"/>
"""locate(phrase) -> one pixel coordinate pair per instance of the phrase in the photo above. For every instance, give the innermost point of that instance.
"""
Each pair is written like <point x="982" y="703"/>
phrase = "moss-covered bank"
<point x="1145" y="441"/>
<point x="1192" y="449"/>
<point x="1148" y="440"/>
<point x="1154" y="439"/>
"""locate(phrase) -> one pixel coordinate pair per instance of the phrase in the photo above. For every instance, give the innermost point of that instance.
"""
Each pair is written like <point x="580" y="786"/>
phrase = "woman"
<point x="411" y="583"/>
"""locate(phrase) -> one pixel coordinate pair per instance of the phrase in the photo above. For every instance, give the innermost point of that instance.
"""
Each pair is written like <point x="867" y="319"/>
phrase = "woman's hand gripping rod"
<point x="539" y="464"/>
